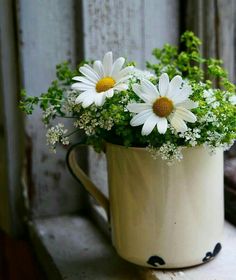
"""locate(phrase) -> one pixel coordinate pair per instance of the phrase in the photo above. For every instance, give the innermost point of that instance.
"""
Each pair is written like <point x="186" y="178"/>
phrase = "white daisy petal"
<point x="162" y="125"/>
<point x="107" y="63"/>
<point x="138" y="90"/>
<point x="127" y="70"/>
<point x="89" y="74"/>
<point x="110" y="93"/>
<point x="122" y="80"/>
<point x="98" y="67"/>
<point x="83" y="96"/>
<point x="141" y="117"/>
<point x="83" y="80"/>
<point x="118" y="64"/>
<point x="88" y="100"/>
<point x="103" y="99"/>
<point x="81" y="86"/>
<point x="149" y="124"/>
<point x="178" y="124"/>
<point x="163" y="84"/>
<point x="174" y="86"/>
<point x="121" y="87"/>
<point x="138" y="107"/>
<point x="188" y="104"/>
<point x="185" y="115"/>
<point x="182" y="95"/>
<point x="91" y="69"/>
<point x="78" y="100"/>
<point x="149" y="89"/>
<point x="99" y="99"/>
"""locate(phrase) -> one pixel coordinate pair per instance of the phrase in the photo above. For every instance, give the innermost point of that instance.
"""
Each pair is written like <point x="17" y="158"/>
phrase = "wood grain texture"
<point x="86" y="254"/>
<point x="47" y="37"/>
<point x="227" y="35"/>
<point x="214" y="22"/>
<point x="10" y="124"/>
<point x="130" y="29"/>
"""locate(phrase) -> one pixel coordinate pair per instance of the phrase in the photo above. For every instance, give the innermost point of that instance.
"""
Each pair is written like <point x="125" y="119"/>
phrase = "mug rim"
<point x="144" y="148"/>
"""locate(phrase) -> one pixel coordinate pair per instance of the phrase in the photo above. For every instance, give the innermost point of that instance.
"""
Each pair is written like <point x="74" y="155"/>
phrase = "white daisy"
<point x="101" y="80"/>
<point x="170" y="103"/>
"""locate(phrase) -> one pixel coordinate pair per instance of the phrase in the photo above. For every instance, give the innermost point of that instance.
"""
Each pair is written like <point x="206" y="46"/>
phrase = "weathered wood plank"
<point x="47" y="37"/>
<point x="226" y="38"/>
<point x="87" y="254"/>
<point x="10" y="124"/>
<point x="131" y="29"/>
<point x="214" y="22"/>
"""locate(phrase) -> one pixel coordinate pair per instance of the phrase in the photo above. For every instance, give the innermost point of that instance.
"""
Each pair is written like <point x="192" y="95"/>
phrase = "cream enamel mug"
<point x="162" y="216"/>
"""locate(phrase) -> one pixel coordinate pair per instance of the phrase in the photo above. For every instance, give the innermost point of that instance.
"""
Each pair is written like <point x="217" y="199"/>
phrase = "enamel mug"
<point x="161" y="216"/>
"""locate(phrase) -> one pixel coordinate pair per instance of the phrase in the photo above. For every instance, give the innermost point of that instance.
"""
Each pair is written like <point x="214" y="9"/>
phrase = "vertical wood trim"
<point x="227" y="35"/>
<point x="214" y="22"/>
<point x="79" y="31"/>
<point x="47" y="36"/>
<point x="11" y="140"/>
<point x="4" y="199"/>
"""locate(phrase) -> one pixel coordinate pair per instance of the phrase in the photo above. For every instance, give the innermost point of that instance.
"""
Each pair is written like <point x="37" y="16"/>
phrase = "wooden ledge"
<point x="72" y="248"/>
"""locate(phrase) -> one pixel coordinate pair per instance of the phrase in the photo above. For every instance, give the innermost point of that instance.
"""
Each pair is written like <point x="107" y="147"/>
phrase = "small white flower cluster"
<point x="125" y="100"/>
<point x="209" y="117"/>
<point x="49" y="113"/>
<point x="168" y="152"/>
<point x="210" y="98"/>
<point x="191" y="136"/>
<point x="69" y="105"/>
<point x="229" y="97"/>
<point x="232" y="99"/>
<point x="55" y="135"/>
<point x="214" y="141"/>
<point x="138" y="74"/>
<point x="92" y="119"/>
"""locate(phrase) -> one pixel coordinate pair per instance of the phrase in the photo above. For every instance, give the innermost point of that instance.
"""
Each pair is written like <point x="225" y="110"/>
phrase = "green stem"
<point x="67" y="117"/>
<point x="48" y="98"/>
<point x="73" y="132"/>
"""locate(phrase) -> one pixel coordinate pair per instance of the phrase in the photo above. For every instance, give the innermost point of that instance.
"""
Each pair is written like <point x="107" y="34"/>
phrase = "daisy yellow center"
<point x="105" y="84"/>
<point x="163" y="107"/>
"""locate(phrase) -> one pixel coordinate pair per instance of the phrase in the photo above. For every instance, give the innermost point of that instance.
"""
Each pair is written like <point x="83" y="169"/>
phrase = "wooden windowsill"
<point x="72" y="248"/>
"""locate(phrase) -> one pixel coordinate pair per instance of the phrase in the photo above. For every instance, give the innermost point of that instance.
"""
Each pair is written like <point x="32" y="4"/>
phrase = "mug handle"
<point x="84" y="180"/>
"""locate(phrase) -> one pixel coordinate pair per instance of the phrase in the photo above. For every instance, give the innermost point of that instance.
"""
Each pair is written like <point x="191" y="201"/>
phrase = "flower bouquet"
<point x="164" y="131"/>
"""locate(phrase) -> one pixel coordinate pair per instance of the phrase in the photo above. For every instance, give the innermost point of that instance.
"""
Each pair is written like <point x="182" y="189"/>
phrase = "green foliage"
<point x="216" y="121"/>
<point x="27" y="103"/>
<point x="65" y="74"/>
<point x="55" y="93"/>
<point x="188" y="62"/>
